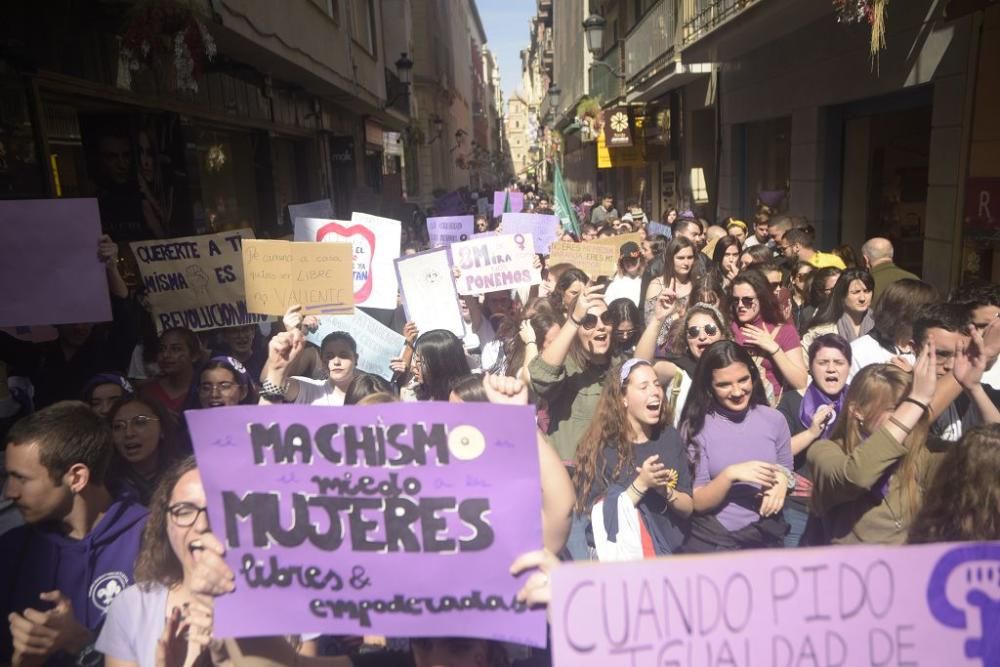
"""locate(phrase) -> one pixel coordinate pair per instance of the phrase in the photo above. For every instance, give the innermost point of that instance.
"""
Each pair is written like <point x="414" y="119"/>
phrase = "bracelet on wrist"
<point x="923" y="406"/>
<point x="575" y="321"/>
<point x="900" y="425"/>
<point x="636" y="489"/>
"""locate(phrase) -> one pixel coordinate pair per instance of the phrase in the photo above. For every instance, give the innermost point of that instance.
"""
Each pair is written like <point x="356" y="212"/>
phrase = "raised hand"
<point x="591" y="296"/>
<point x="284" y="348"/>
<point x="761" y="338"/>
<point x="925" y="373"/>
<point x="505" y="390"/>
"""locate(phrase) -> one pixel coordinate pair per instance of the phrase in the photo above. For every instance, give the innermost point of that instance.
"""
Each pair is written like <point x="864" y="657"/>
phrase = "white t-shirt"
<point x="318" y="392"/>
<point x="624" y="287"/>
<point x="866" y="351"/>
<point x="134" y="624"/>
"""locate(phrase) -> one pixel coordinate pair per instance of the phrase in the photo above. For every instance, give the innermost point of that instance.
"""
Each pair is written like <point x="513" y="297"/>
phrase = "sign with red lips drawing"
<point x="375" y="244"/>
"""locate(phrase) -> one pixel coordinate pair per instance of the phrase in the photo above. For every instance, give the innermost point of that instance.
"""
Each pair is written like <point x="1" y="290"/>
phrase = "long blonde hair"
<point x="875" y="389"/>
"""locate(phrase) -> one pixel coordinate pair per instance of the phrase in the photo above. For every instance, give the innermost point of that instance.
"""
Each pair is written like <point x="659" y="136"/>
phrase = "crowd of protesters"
<point x="729" y="387"/>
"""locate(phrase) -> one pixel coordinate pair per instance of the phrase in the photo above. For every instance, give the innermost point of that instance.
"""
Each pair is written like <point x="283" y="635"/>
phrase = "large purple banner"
<point x="929" y="604"/>
<point x="398" y="520"/>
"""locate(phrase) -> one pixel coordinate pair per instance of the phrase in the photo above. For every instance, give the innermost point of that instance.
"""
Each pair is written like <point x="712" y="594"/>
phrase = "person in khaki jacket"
<point x="869" y="478"/>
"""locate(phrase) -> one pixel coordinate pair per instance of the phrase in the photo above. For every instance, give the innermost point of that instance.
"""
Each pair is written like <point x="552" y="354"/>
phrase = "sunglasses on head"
<point x="745" y="301"/>
<point x="589" y="320"/>
<point x="710" y="330"/>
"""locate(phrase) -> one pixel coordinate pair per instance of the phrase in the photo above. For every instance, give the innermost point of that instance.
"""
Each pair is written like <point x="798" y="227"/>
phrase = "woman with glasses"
<point x="631" y="455"/>
<point x="223" y="382"/>
<point x="741" y="455"/>
<point x="702" y="325"/>
<point x="145" y="445"/>
<point x="771" y="342"/>
<point x="680" y="273"/>
<point x="848" y="310"/>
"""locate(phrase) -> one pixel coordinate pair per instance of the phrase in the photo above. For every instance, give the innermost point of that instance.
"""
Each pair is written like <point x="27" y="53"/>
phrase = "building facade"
<point x="188" y="118"/>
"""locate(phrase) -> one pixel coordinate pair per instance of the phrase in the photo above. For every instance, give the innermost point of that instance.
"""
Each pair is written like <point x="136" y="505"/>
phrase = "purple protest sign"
<point x="544" y="229"/>
<point x="445" y="230"/>
<point x="48" y="250"/>
<point x="934" y="604"/>
<point x="516" y="202"/>
<point x="399" y="519"/>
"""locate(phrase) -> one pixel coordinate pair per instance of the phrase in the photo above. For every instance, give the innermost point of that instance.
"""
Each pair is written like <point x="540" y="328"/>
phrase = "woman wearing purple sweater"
<point x="740" y="452"/>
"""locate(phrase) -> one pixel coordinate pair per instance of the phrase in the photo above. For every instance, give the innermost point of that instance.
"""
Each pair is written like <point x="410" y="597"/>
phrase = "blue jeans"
<point x="576" y="545"/>
<point x="796" y="516"/>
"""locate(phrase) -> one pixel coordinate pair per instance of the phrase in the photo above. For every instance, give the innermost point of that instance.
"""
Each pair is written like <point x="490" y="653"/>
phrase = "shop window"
<point x="767" y="157"/>
<point x="223" y="179"/>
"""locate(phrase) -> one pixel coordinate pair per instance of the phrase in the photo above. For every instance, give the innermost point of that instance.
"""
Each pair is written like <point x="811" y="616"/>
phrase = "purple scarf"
<point x="813" y="400"/>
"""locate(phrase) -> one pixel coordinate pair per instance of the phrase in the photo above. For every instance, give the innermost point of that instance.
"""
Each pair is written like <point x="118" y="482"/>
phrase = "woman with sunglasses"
<point x="772" y="343"/>
<point x="570" y="371"/>
<point x="631" y="452"/>
<point x="702" y="325"/>
<point x="810" y="415"/>
<point x="680" y="273"/>
<point x="626" y="325"/>
<point x="848" y="310"/>
<point x="820" y="288"/>
<point x="145" y="445"/>
<point x="741" y="454"/>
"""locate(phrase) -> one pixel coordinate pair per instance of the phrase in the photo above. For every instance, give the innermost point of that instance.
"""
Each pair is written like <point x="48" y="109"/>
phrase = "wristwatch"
<point x="273" y="393"/>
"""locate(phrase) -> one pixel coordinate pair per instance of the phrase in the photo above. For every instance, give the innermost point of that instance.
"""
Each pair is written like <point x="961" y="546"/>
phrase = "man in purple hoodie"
<point x="61" y="570"/>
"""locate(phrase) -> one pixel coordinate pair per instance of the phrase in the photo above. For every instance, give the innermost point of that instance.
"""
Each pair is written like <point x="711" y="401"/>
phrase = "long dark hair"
<point x="545" y="318"/>
<point x="770" y="311"/>
<point x="609" y="427"/>
<point x="157" y="563"/>
<point x="624" y="310"/>
<point x="833" y="309"/>
<point x="443" y="358"/>
<point x="817" y="298"/>
<point x="677" y="244"/>
<point x="701" y="396"/>
<point x="722" y="245"/>
<point x="566" y="281"/>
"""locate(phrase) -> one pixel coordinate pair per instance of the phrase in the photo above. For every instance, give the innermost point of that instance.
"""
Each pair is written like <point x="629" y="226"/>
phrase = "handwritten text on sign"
<point x="833" y="606"/>
<point x="377" y="343"/>
<point x="594" y="259"/>
<point x="326" y="517"/>
<point x="281" y="274"/>
<point x="446" y="230"/>
<point x="495" y="263"/>
<point x="196" y="281"/>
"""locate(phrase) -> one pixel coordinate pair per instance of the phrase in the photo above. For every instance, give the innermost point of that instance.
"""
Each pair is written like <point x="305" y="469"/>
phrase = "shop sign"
<point x="633" y="156"/>
<point x="982" y="207"/>
<point x="618" y="127"/>
<point x="342" y="150"/>
<point x="374" y="135"/>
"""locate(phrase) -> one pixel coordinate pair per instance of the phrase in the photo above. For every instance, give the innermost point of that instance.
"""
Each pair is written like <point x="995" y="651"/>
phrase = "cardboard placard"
<point x="196" y="281"/>
<point x="282" y="274"/>
<point x="594" y="259"/>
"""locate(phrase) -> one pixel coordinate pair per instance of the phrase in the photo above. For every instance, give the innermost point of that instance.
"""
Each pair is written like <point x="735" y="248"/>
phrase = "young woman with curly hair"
<point x="962" y="503"/>
<point x="630" y="451"/>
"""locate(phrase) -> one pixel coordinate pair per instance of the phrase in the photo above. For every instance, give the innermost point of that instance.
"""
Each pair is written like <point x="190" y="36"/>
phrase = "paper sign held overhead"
<point x="49" y="264"/>
<point x="375" y="243"/>
<point x="593" y="259"/>
<point x="544" y="229"/>
<point x="282" y="274"/>
<point x="516" y="202"/>
<point x="196" y="281"/>
<point x="377" y="344"/>
<point x="358" y="500"/>
<point x="446" y="230"/>
<point x="495" y="263"/>
<point x="321" y="208"/>
<point x="428" y="289"/>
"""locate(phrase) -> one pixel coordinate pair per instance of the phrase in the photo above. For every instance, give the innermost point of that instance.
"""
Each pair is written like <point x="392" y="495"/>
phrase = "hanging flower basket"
<point x="168" y="34"/>
<point x="871" y="12"/>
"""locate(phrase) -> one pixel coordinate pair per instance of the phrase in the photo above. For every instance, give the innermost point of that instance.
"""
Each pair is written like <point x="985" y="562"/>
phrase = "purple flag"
<point x="49" y="263"/>
<point x="397" y="520"/>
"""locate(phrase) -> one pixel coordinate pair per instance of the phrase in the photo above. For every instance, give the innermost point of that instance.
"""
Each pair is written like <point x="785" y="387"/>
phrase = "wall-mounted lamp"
<point x="437" y="128"/>
<point x="404" y="70"/>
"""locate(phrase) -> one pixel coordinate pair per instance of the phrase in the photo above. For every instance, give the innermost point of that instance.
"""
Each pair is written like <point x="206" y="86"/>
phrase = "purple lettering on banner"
<point x="397" y="520"/>
<point x="446" y="230"/>
<point x="49" y="263"/>
<point x="935" y="604"/>
<point x="516" y="202"/>
<point x="543" y="228"/>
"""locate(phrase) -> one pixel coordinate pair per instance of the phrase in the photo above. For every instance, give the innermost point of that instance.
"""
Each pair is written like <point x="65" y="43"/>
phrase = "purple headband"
<point x="629" y="366"/>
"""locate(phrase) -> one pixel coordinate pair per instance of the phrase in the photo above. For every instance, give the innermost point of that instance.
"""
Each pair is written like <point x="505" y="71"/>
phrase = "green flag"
<point x="506" y="202"/>
<point x="563" y="205"/>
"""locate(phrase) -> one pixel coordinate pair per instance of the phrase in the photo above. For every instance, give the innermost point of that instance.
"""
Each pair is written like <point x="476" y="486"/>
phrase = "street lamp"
<point x="593" y="29"/>
<point x="404" y="67"/>
<point x="554" y="94"/>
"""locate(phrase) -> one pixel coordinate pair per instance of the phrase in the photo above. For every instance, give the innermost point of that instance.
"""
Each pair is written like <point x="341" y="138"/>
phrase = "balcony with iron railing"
<point x="651" y="41"/>
<point x="703" y="16"/>
<point x="396" y="93"/>
<point x="605" y="85"/>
